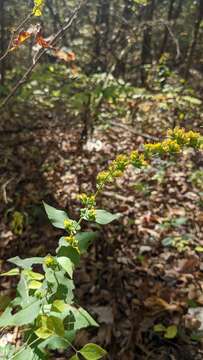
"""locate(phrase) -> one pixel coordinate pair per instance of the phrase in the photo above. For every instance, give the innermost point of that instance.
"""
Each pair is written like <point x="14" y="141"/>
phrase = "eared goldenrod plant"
<point x="44" y="307"/>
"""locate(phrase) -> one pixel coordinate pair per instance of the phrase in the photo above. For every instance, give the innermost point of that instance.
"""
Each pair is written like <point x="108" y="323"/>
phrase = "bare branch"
<point x="54" y="40"/>
<point x="13" y="32"/>
<point x="178" y="53"/>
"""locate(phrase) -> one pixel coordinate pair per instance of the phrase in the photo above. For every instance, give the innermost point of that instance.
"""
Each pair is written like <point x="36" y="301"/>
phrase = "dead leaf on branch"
<point x="63" y="55"/>
<point x="20" y="39"/>
<point x="67" y="56"/>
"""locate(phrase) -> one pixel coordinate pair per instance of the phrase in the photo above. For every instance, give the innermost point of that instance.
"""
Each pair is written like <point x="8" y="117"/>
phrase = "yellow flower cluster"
<point x="102" y="176"/>
<point x="137" y="159"/>
<point x="88" y="201"/>
<point x="92" y="214"/>
<point x="168" y="146"/>
<point x="119" y="164"/>
<point x="72" y="241"/>
<point x="70" y="225"/>
<point x="49" y="261"/>
<point x="182" y="137"/>
<point x="115" y="170"/>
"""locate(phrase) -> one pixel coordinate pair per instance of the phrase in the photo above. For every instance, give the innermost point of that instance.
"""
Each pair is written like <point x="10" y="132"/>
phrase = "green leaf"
<point x="66" y="264"/>
<point x="56" y="217"/>
<point x="85" y="239"/>
<point x="57" y="324"/>
<point x="22" y="289"/>
<point x="159" y="328"/>
<point x="44" y="333"/>
<point x="26" y="263"/>
<point x="51" y="326"/>
<point x="34" y="284"/>
<point x="192" y="100"/>
<point x="171" y="332"/>
<point x="82" y="318"/>
<point x="27" y="315"/>
<point x="33" y="275"/>
<point x="12" y="272"/>
<point x="27" y="353"/>
<point x="70" y="252"/>
<point x="6" y="317"/>
<point x="92" y="352"/>
<point x="22" y="317"/>
<point x="74" y="357"/>
<point x="104" y="217"/>
<point x="167" y="241"/>
<point x="57" y="342"/>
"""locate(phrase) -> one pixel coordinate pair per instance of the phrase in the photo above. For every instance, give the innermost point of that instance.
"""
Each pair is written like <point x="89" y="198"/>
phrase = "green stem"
<point x="71" y="345"/>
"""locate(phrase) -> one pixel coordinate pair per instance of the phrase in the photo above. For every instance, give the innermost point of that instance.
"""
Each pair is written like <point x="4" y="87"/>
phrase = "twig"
<point x="178" y="53"/>
<point x="132" y="130"/>
<point x="13" y="32"/>
<point x="6" y="200"/>
<point x="41" y="53"/>
<point x="119" y="197"/>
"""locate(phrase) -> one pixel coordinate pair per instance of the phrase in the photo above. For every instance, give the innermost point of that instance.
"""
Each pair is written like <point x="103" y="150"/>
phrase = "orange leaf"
<point x="43" y="43"/>
<point x="63" y="55"/>
<point x="71" y="56"/>
<point x="22" y="36"/>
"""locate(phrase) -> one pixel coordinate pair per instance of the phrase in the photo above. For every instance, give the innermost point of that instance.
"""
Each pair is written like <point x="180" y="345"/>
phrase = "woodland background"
<point x="138" y="71"/>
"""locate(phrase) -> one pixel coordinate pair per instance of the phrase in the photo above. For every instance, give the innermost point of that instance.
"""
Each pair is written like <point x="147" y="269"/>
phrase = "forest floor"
<point x="130" y="280"/>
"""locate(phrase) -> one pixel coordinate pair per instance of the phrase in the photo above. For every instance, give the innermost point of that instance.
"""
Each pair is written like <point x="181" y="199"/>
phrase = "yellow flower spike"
<point x="102" y="177"/>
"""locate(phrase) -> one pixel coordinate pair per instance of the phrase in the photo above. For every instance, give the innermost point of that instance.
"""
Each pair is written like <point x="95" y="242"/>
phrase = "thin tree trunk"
<point x="193" y="44"/>
<point x="146" y="56"/>
<point x="2" y="21"/>
<point x="102" y="32"/>
<point x="122" y="36"/>
<point x="178" y="10"/>
<point x="165" y="38"/>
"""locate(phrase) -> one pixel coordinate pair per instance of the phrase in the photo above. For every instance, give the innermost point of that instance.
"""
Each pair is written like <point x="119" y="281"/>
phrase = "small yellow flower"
<point x="120" y="163"/>
<point x="86" y="200"/>
<point x="102" y="177"/>
<point x="49" y="261"/>
<point x="72" y="241"/>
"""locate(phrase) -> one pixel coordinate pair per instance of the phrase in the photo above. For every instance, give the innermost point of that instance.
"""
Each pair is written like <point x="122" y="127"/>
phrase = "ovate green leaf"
<point x="92" y="352"/>
<point x="104" y="217"/>
<point x="12" y="272"/>
<point x="159" y="328"/>
<point x="66" y="264"/>
<point x="56" y="217"/>
<point x="171" y="332"/>
<point x="26" y="263"/>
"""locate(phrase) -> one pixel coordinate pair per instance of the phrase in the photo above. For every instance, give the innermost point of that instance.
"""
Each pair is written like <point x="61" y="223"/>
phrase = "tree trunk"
<point x="193" y="44"/>
<point x="2" y="46"/>
<point x="102" y="32"/>
<point x="122" y="36"/>
<point x="146" y="56"/>
<point x="165" y="38"/>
